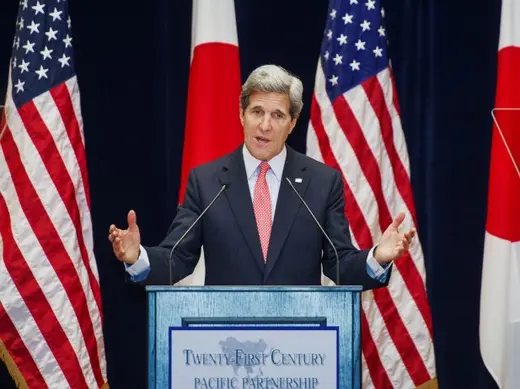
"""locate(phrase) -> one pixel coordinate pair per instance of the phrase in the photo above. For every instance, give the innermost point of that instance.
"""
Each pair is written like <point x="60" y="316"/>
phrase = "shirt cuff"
<point x="377" y="268"/>
<point x="141" y="265"/>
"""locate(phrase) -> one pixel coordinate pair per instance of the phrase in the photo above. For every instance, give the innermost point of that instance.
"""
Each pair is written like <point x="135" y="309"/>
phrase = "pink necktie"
<point x="262" y="207"/>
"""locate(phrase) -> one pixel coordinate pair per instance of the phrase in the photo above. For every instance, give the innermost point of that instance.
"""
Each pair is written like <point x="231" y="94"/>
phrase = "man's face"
<point x="267" y="124"/>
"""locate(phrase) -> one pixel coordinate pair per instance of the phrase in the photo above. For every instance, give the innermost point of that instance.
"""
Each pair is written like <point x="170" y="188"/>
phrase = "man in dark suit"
<point x="258" y="232"/>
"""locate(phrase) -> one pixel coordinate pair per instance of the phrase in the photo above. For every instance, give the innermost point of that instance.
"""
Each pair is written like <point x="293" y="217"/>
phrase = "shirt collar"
<point x="276" y="163"/>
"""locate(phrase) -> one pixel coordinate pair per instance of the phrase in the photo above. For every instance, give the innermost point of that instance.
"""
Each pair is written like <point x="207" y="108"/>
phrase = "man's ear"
<point x="241" y="113"/>
<point x="293" y="124"/>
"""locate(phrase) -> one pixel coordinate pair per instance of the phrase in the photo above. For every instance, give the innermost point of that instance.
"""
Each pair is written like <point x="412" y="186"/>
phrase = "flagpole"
<point x="499" y="131"/>
<point x="5" y="124"/>
<point x="4" y="114"/>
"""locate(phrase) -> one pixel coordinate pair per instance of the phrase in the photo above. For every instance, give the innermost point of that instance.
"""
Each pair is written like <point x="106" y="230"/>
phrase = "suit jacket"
<point x="228" y="231"/>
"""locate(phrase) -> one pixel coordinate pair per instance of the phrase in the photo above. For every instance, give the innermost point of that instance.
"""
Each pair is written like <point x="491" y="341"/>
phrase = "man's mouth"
<point x="262" y="140"/>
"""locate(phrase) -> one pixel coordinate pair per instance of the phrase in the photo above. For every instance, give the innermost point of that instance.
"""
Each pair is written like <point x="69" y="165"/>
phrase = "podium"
<point x="245" y="337"/>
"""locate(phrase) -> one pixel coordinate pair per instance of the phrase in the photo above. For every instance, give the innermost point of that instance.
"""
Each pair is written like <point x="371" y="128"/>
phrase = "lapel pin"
<point x="298" y="180"/>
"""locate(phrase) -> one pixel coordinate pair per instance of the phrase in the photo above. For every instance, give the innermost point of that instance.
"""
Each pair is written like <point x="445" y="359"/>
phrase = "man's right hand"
<point x="125" y="243"/>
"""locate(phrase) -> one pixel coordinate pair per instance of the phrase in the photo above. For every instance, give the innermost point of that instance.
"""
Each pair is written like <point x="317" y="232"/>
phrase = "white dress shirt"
<point x="273" y="176"/>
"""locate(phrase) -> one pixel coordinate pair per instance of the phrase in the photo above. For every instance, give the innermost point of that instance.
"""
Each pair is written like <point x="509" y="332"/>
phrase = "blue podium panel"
<point x="298" y="333"/>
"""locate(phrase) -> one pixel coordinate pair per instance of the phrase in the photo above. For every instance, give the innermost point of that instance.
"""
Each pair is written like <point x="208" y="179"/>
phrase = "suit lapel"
<point x="239" y="198"/>
<point x="287" y="206"/>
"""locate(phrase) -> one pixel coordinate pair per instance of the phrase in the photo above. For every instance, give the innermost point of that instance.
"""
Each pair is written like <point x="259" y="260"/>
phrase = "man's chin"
<point x="260" y="152"/>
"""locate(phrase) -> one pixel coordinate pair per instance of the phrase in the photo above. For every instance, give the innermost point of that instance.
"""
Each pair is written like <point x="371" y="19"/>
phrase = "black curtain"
<point x="132" y="60"/>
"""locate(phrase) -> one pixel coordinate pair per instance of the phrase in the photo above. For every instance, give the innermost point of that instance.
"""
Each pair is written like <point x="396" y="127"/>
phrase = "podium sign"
<point x="261" y="337"/>
<point x="254" y="357"/>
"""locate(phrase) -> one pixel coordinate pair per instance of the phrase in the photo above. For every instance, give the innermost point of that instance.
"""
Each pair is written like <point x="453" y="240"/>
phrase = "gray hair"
<point x="273" y="78"/>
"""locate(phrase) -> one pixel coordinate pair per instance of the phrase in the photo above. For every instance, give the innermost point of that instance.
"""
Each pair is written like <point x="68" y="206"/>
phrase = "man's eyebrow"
<point x="262" y="108"/>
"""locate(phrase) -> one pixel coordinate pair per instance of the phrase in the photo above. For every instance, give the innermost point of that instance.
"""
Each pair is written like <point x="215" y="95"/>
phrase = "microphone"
<point x="319" y="225"/>
<point x="170" y="262"/>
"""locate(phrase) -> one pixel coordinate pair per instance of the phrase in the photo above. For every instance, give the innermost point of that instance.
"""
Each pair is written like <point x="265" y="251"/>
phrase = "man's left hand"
<point x="392" y="243"/>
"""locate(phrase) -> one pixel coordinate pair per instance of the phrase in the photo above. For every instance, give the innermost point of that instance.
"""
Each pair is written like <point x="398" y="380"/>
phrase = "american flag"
<point x="355" y="127"/>
<point x="50" y="302"/>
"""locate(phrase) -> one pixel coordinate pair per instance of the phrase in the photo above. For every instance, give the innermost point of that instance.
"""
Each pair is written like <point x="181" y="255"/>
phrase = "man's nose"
<point x="265" y="125"/>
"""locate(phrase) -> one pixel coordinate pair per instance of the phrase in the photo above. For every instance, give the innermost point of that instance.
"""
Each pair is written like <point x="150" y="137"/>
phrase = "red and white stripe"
<point x="50" y="300"/>
<point x="500" y="292"/>
<point x="360" y="134"/>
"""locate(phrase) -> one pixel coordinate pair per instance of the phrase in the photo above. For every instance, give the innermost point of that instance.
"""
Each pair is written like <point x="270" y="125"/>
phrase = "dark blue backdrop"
<point x="132" y="59"/>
